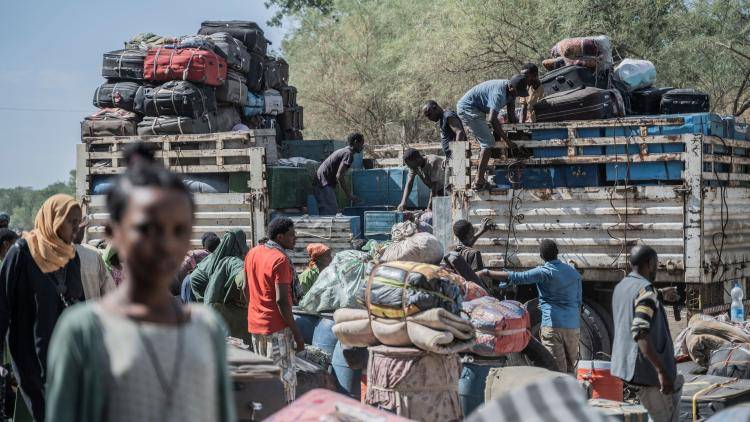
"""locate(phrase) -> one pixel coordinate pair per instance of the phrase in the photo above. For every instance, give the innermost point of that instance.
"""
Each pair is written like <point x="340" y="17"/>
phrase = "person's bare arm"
<point x="341" y="178"/>
<point x="487" y="223"/>
<point x="497" y="128"/>
<point x="646" y="305"/>
<point x="458" y="128"/>
<point x="284" y="304"/>
<point x="407" y="191"/>
<point x="494" y="275"/>
<point x="511" y="109"/>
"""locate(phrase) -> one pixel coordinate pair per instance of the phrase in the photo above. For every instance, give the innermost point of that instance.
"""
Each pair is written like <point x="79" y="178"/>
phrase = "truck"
<point x="678" y="183"/>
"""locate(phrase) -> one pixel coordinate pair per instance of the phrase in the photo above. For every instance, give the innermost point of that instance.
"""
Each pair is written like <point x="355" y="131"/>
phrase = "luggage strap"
<point x="426" y="388"/>
<point x="707" y="390"/>
<point x="187" y="66"/>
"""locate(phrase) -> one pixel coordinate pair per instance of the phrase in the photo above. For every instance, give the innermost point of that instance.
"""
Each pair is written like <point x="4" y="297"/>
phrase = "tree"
<point x="23" y="203"/>
<point x="295" y="7"/>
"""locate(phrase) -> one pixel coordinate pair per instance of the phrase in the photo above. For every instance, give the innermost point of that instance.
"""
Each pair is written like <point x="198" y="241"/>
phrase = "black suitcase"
<point x="258" y="390"/>
<point x="127" y="95"/>
<point x="123" y="65"/>
<point x="179" y="98"/>
<point x="567" y="78"/>
<point x="291" y="119"/>
<point x="283" y="71"/>
<point x="732" y="360"/>
<point x="110" y="122"/>
<point x="704" y="395"/>
<point x="678" y="101"/>
<point x="646" y="101"/>
<point x="578" y="104"/>
<point x="234" y="90"/>
<point x="177" y="125"/>
<point x="272" y="71"/>
<point x="249" y="33"/>
<point x="233" y="50"/>
<point x="289" y="96"/>
<point x="256" y="75"/>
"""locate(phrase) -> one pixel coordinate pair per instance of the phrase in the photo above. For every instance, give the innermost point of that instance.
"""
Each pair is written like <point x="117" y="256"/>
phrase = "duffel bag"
<point x="249" y="33"/>
<point x="123" y="65"/>
<point x="684" y="101"/>
<point x="732" y="360"/>
<point x="254" y="105"/>
<point x="110" y="122"/>
<point x="234" y="90"/>
<point x="233" y="50"/>
<point x="288" y="96"/>
<point x="256" y="75"/>
<point x="273" y="103"/>
<point x="502" y="327"/>
<point x="704" y="395"/>
<point x="179" y="98"/>
<point x="127" y="95"/>
<point x="272" y="73"/>
<point x="177" y="125"/>
<point x="585" y="103"/>
<point x="201" y="42"/>
<point x="646" y="100"/>
<point x="188" y="64"/>
<point x="226" y="118"/>
<point x="146" y="40"/>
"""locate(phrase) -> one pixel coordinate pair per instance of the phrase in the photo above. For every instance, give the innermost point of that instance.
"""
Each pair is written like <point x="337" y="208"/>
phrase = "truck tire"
<point x="605" y="315"/>
<point x="535" y="354"/>
<point x="599" y="328"/>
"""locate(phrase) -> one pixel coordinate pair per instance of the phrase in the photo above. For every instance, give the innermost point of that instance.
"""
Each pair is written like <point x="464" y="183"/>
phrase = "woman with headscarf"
<point x="320" y="258"/>
<point x="39" y="278"/>
<point x="225" y="291"/>
<point x="233" y="244"/>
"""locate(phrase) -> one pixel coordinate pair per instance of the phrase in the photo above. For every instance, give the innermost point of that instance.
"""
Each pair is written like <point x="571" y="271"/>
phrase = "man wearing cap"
<point x="488" y="98"/>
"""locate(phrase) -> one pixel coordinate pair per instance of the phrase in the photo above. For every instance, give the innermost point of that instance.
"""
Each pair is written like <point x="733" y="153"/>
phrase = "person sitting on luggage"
<point x="559" y="288"/>
<point x="642" y="351"/>
<point x="320" y="258"/>
<point x="451" y="128"/>
<point x="333" y="171"/>
<point x="488" y="98"/>
<point x="467" y="236"/>
<point x="429" y="168"/>
<point x="536" y="92"/>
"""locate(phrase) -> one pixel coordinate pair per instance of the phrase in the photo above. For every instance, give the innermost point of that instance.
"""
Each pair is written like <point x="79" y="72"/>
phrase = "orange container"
<point x="363" y="388"/>
<point x="604" y="385"/>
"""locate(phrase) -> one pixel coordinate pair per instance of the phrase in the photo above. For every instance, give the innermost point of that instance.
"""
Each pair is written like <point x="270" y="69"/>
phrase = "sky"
<point x="52" y="57"/>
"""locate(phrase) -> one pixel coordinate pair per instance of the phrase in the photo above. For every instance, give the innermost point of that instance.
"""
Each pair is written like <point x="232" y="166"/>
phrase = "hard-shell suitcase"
<point x="233" y="50"/>
<point x="110" y="122"/>
<point x="567" y="78"/>
<point x="684" y="101"/>
<point x="291" y="119"/>
<point x="256" y="75"/>
<point x="179" y="98"/>
<point x="646" y="100"/>
<point x="127" y="95"/>
<point x="272" y="102"/>
<point x="578" y="104"/>
<point x="289" y="96"/>
<point x="272" y="73"/>
<point x="177" y="125"/>
<point x="704" y="395"/>
<point x="732" y="360"/>
<point x="249" y="33"/>
<point x="283" y="71"/>
<point x="187" y="64"/>
<point x="234" y="90"/>
<point x="123" y="65"/>
<point x="258" y="390"/>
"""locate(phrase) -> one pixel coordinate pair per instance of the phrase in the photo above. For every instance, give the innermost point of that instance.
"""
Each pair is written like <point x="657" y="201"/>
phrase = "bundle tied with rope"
<point x="410" y="245"/>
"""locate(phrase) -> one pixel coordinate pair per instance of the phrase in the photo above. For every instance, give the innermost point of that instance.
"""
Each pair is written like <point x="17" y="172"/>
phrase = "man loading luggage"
<point x="488" y="98"/>
<point x="429" y="168"/>
<point x="560" y="299"/>
<point x="467" y="236"/>
<point x="333" y="171"/>
<point x="536" y="92"/>
<point x="451" y="128"/>
<point x="642" y="351"/>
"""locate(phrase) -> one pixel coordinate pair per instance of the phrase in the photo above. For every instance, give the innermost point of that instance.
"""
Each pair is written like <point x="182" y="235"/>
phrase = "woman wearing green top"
<point x="233" y="245"/>
<point x="320" y="258"/>
<point x="138" y="354"/>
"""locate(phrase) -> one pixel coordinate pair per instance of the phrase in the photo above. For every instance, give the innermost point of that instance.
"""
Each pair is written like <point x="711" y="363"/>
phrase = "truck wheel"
<point x="605" y="315"/>
<point x="599" y="329"/>
<point x="535" y="354"/>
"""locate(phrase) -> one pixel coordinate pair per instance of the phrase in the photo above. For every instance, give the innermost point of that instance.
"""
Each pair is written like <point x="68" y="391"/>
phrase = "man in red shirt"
<point x="269" y="274"/>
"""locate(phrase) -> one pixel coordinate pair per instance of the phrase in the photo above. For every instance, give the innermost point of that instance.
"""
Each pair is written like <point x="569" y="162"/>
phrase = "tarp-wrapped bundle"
<point x="339" y="283"/>
<point x="635" y="74"/>
<point x="502" y="327"/>
<point x="732" y="360"/>
<point x="410" y="245"/>
<point x="706" y="334"/>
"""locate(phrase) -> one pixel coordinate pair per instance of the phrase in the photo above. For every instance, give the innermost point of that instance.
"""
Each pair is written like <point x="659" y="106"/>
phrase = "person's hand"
<point x="401" y="207"/>
<point x="299" y="344"/>
<point x="666" y="383"/>
<point x="487" y="223"/>
<point x="670" y="295"/>
<point x="483" y="274"/>
<point x="354" y="199"/>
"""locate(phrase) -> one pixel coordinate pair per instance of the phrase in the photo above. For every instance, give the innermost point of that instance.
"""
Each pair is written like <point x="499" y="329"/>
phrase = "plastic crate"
<point x="386" y="187"/>
<point x="379" y="223"/>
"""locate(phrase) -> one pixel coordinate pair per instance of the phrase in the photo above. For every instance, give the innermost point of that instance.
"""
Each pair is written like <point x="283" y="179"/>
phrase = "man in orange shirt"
<point x="269" y="274"/>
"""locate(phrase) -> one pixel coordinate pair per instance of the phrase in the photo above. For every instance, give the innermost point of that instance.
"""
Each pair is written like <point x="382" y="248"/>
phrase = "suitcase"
<point x="684" y="101"/>
<point x="249" y="33"/>
<point x="283" y="71"/>
<point x="123" y="65"/>
<point x="646" y="100"/>
<point x="234" y="90"/>
<point x="258" y="391"/>
<point x="272" y="73"/>
<point x="567" y="78"/>
<point x="732" y="360"/>
<point x="272" y="102"/>
<point x="110" y="122"/>
<point x="289" y="96"/>
<point x="127" y="95"/>
<point x="226" y="117"/>
<point x="188" y="64"/>
<point x="232" y="50"/>
<point x="291" y="119"/>
<point x="177" y="125"/>
<point x="619" y="411"/>
<point x="201" y="42"/>
<point x="577" y="104"/>
<point x="704" y="395"/>
<point x="254" y="105"/>
<point x="311" y="376"/>
<point x="179" y="98"/>
<point x="256" y="75"/>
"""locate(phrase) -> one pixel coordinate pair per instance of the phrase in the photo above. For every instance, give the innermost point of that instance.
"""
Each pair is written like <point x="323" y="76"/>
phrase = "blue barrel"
<point x="306" y="324"/>
<point x="472" y="383"/>
<point x="347" y="379"/>
<point x="323" y="337"/>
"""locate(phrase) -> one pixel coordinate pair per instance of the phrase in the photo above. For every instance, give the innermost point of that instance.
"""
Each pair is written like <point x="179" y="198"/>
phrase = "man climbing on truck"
<point x="333" y="172"/>
<point x="430" y="168"/>
<point x="451" y="128"/>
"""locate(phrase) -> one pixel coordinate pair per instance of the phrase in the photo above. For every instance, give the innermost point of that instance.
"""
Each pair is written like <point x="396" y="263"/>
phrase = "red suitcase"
<point x="188" y="64"/>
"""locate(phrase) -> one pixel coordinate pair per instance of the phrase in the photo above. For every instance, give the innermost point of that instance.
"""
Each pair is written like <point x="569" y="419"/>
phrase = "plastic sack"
<point x="635" y="74"/>
<point x="338" y="284"/>
<point x="420" y="247"/>
<point x="502" y="327"/>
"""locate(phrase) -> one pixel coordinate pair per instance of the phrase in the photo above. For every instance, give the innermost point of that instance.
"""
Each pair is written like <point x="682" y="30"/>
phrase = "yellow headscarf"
<point x="50" y="253"/>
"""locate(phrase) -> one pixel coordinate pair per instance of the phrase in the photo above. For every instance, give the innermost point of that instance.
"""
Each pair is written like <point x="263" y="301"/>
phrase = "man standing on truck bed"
<point x="429" y="168"/>
<point x="642" y="352"/>
<point x="560" y="300"/>
<point x="451" y="128"/>
<point x="488" y="98"/>
<point x="333" y="171"/>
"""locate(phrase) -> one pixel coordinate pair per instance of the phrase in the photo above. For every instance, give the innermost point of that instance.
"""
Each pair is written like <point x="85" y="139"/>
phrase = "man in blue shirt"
<point x="559" y="287"/>
<point x="488" y="98"/>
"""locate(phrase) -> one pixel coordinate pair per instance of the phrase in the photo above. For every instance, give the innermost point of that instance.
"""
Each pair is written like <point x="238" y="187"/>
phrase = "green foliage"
<point x="22" y="203"/>
<point x="368" y="65"/>
<point x="294" y="7"/>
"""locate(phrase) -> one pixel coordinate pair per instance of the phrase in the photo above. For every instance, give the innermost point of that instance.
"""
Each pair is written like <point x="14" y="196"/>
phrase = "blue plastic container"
<point x="306" y="324"/>
<point x="323" y="337"/>
<point x="548" y="177"/>
<point x="472" y="383"/>
<point x="386" y="187"/>
<point x="347" y="379"/>
<point x="379" y="223"/>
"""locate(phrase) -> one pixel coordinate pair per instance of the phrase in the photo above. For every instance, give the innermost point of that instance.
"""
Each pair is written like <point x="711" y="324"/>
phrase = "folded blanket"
<point x="442" y="320"/>
<point x="441" y="342"/>
<point x="355" y="333"/>
<point x="391" y="332"/>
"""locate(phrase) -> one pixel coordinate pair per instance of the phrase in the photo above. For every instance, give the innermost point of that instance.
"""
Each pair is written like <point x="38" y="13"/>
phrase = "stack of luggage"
<point x="218" y="80"/>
